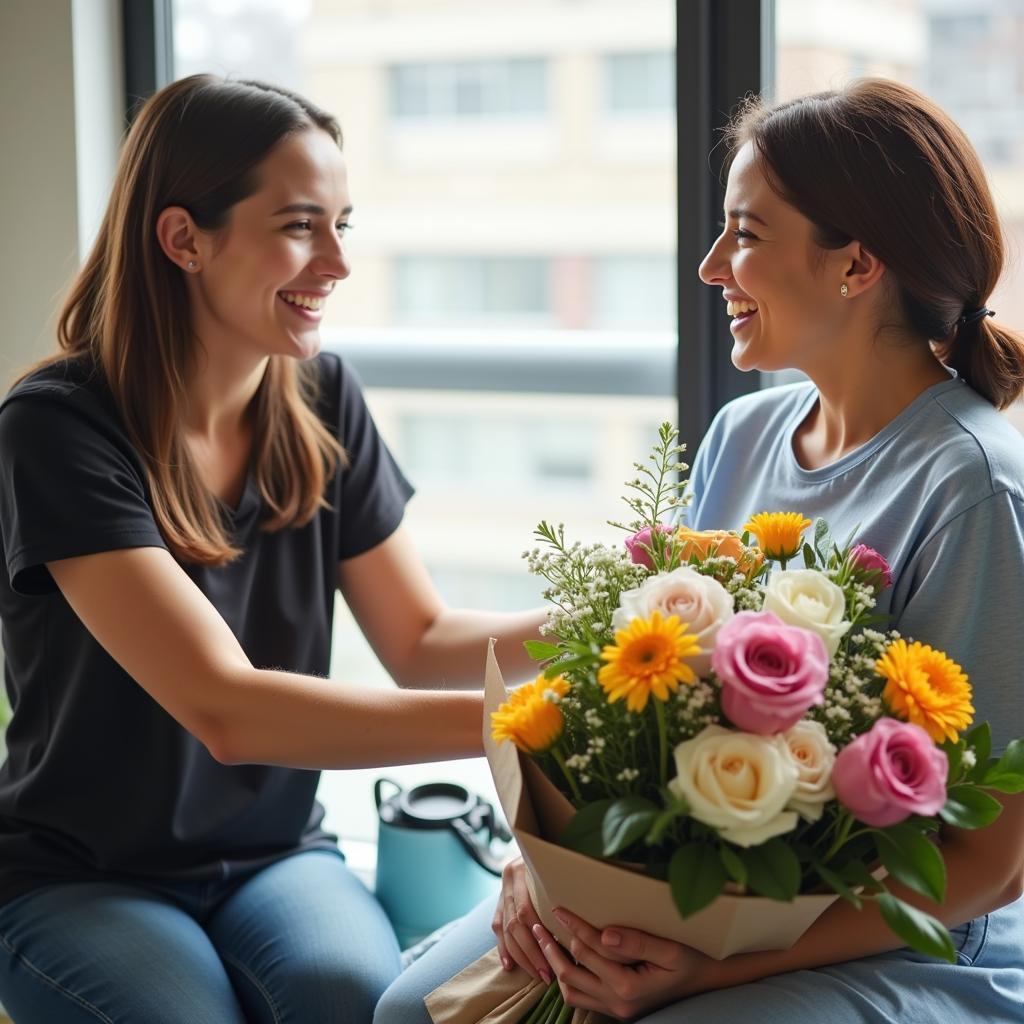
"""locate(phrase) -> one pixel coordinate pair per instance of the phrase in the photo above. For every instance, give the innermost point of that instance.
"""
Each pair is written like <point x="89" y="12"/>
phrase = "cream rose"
<point x="699" y="601"/>
<point x="814" y="756"/>
<point x="738" y="783"/>
<point x="805" y="597"/>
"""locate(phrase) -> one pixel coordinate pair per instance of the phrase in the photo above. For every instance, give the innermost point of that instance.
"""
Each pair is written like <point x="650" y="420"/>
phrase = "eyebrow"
<point x="749" y="214"/>
<point x="311" y="208"/>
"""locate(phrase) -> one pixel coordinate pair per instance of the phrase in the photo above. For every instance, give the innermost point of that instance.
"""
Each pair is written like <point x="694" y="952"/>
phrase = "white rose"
<point x="807" y="598"/>
<point x="814" y="756"/>
<point x="699" y="601"/>
<point x="738" y="783"/>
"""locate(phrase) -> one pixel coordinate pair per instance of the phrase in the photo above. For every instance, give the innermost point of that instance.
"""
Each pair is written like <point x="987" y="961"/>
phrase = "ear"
<point x="862" y="269"/>
<point x="178" y="237"/>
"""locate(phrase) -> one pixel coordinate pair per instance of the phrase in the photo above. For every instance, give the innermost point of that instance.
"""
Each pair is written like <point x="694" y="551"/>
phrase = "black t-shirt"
<point x="100" y="781"/>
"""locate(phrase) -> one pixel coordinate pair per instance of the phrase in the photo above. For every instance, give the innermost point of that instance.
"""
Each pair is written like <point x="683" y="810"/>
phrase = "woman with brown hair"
<point x="860" y="245"/>
<point x="183" y="488"/>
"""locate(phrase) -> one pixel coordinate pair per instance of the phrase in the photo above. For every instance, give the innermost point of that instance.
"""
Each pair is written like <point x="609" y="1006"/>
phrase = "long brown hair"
<point x="197" y="143"/>
<point x="880" y="163"/>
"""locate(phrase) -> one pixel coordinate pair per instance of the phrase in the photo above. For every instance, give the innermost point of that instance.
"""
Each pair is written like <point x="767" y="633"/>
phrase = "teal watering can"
<point x="436" y="855"/>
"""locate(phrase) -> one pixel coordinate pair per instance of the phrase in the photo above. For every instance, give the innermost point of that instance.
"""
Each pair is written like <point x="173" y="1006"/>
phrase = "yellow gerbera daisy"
<point x="927" y="688"/>
<point x="531" y="718"/>
<point x="647" y="658"/>
<point x="778" y="533"/>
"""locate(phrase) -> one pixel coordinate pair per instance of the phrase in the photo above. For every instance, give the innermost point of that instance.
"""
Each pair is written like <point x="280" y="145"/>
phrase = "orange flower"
<point x="703" y="544"/>
<point x="648" y="658"/>
<point x="531" y="718"/>
<point x="927" y="688"/>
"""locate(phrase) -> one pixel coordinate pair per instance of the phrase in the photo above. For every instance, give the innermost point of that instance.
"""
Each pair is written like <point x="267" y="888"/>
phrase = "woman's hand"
<point x="513" y="923"/>
<point x="620" y="971"/>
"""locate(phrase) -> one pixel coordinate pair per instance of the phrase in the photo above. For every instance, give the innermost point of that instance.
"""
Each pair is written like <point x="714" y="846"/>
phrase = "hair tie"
<point x="977" y="314"/>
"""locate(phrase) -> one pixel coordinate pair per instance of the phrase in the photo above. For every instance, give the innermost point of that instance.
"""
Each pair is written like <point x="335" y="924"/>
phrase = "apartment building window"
<point x="499" y="290"/>
<point x="514" y="87"/>
<point x="637" y="82"/>
<point x="635" y="291"/>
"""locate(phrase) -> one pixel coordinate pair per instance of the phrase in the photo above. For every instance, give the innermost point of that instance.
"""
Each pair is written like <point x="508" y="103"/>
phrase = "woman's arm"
<point x="419" y="640"/>
<point x="158" y="626"/>
<point x="985" y="870"/>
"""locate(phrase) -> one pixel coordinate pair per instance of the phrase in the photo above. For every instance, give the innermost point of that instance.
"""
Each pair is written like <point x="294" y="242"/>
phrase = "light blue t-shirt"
<point x="939" y="492"/>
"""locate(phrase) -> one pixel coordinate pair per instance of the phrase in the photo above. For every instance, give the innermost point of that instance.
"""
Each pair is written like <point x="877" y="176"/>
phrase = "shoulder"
<point x="978" y="442"/>
<point x="65" y="396"/>
<point x="337" y="389"/>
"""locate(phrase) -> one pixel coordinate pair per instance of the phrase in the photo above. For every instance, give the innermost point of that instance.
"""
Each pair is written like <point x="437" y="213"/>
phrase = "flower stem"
<point x="556" y="753"/>
<point x="843" y="834"/>
<point x="541" y="1013"/>
<point x="659" y="714"/>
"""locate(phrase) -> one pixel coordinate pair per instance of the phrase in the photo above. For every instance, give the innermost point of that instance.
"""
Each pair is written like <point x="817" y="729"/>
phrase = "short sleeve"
<point x="69" y="486"/>
<point x="966" y="598"/>
<point x="373" y="490"/>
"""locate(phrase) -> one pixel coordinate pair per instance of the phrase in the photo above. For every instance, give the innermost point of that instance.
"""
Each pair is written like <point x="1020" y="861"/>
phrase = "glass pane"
<point x="512" y="300"/>
<point x="965" y="56"/>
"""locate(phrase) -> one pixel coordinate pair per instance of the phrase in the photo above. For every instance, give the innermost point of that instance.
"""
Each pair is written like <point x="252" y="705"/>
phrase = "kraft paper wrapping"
<point x="602" y="893"/>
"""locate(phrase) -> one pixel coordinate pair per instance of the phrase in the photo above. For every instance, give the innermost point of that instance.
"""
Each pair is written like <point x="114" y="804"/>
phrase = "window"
<point x="635" y="291"/>
<point x="639" y="82"/>
<point x="499" y="290"/>
<point x="469" y="89"/>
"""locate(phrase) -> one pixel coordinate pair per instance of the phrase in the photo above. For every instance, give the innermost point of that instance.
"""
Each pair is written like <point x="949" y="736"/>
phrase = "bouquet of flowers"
<point x="725" y="714"/>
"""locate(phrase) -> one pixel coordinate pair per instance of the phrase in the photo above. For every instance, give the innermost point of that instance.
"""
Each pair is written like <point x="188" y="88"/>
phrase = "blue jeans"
<point x="296" y="942"/>
<point x="985" y="984"/>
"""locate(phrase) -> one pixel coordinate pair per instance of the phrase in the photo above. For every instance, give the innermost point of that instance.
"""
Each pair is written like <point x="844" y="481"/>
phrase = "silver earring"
<point x="192" y="266"/>
<point x="844" y="289"/>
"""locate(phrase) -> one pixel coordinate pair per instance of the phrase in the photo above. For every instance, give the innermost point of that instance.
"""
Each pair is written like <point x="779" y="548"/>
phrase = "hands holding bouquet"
<point x="729" y="723"/>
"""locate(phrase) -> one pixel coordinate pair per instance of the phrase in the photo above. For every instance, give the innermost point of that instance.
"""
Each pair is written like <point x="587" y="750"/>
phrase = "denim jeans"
<point x="298" y="942"/>
<point x="903" y="987"/>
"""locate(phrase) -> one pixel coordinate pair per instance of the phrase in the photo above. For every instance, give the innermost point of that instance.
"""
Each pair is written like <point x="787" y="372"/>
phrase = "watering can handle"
<point x="377" y="787"/>
<point x="467" y="831"/>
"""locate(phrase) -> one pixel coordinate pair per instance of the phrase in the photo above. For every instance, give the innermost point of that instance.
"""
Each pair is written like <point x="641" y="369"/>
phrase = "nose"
<point x="331" y="260"/>
<point x="715" y="267"/>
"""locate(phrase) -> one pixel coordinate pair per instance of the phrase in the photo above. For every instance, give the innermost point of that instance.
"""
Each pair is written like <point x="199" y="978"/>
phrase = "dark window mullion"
<point x="724" y="48"/>
<point x="148" y="50"/>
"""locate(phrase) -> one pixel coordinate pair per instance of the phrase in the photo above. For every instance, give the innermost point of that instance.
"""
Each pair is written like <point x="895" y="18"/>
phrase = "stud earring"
<point x="844" y="290"/>
<point x="192" y="266"/>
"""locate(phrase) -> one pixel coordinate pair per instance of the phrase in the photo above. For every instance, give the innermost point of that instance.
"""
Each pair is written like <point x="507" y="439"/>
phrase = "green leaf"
<point x="970" y="807"/>
<point x="735" y="868"/>
<point x="696" y="877"/>
<point x="538" y="650"/>
<point x="584" y="832"/>
<point x="857" y="875"/>
<point x="979" y="739"/>
<point x="773" y="869"/>
<point x="913" y="860"/>
<point x="821" y="540"/>
<point x="626" y="821"/>
<point x="1007" y="774"/>
<point x="558" y="668"/>
<point x="954" y="755"/>
<point x="917" y="929"/>
<point x="676" y="809"/>
<point x="809" y="559"/>
<point x="831" y="879"/>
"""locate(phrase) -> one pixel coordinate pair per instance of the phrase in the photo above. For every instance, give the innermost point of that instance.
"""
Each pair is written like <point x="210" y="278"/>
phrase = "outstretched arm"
<point x="418" y="638"/>
<point x="159" y="627"/>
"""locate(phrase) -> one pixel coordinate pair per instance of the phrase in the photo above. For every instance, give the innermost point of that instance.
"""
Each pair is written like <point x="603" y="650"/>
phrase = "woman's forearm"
<point x="280" y="718"/>
<point x="984" y="872"/>
<point x="452" y="651"/>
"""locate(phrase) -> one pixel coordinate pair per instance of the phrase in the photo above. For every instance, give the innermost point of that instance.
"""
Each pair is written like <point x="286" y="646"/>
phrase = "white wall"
<point x="56" y="156"/>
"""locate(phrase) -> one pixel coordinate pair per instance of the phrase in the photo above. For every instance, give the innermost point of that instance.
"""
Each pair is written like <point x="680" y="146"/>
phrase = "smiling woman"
<point x="184" y="488"/>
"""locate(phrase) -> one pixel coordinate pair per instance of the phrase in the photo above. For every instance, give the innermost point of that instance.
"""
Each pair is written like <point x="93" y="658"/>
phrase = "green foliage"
<point x="916" y="928"/>
<point x="696" y="877"/>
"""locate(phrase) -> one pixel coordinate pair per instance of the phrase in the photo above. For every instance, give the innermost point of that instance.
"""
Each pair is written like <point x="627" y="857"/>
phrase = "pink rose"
<point x="890" y="772"/>
<point x="868" y="560"/>
<point x="640" y="545"/>
<point x="771" y="673"/>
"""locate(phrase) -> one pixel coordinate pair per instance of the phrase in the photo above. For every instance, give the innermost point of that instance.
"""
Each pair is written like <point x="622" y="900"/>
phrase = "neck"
<point x="860" y="395"/>
<point x="221" y="388"/>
